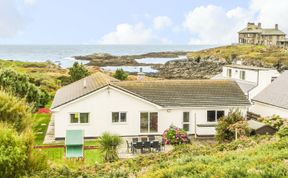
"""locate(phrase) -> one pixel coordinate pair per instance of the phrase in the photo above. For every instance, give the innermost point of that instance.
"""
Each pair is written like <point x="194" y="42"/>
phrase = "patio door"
<point x="148" y="122"/>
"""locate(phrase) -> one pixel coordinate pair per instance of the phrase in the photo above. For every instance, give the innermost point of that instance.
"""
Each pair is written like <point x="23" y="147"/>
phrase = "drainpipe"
<point x="195" y="133"/>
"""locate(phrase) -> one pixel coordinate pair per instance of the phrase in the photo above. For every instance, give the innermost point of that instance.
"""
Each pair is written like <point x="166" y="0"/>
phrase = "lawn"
<point x="57" y="156"/>
<point x="41" y="122"/>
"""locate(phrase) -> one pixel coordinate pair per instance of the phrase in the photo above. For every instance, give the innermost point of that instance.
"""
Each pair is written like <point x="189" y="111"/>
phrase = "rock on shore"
<point x="196" y="68"/>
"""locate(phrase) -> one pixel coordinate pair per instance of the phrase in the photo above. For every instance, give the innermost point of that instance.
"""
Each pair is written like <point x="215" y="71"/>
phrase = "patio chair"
<point x="147" y="146"/>
<point x="156" y="145"/>
<point x="134" y="140"/>
<point x="138" y="146"/>
<point x="129" y="146"/>
<point x="144" y="139"/>
<point x="151" y="138"/>
<point x="163" y="144"/>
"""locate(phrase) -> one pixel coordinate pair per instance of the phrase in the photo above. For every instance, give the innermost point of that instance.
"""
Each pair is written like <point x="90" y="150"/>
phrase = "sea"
<point x="63" y="55"/>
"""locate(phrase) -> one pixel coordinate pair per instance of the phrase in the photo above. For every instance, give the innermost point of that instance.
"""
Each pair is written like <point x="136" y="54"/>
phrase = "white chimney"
<point x="239" y="62"/>
<point x="141" y="74"/>
<point x="84" y="83"/>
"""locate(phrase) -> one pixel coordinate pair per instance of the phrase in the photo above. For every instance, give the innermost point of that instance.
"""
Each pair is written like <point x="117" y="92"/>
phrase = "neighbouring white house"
<point x="252" y="80"/>
<point x="273" y="100"/>
<point x="99" y="103"/>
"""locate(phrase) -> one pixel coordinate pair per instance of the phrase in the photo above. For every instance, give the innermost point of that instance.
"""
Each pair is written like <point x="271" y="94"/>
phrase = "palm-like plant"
<point x="108" y="145"/>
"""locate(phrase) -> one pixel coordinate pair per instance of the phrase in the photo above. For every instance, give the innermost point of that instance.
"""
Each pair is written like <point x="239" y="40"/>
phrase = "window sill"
<point x="79" y="124"/>
<point x="207" y="125"/>
<point x="119" y="123"/>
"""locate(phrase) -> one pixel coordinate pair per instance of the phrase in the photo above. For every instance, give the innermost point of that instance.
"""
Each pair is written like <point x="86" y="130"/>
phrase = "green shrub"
<point x="283" y="131"/>
<point x="12" y="153"/>
<point x="14" y="111"/>
<point x="77" y="72"/>
<point x="274" y="121"/>
<point x="109" y="145"/>
<point x="120" y="74"/>
<point x="21" y="86"/>
<point x="227" y="126"/>
<point x="17" y="157"/>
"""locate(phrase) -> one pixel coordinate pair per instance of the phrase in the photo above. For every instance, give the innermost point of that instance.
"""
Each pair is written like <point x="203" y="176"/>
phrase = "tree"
<point x="227" y="126"/>
<point x="109" y="145"/>
<point x="77" y="72"/>
<point x="17" y="157"/>
<point x="120" y="74"/>
<point x="21" y="86"/>
<point x="15" y="111"/>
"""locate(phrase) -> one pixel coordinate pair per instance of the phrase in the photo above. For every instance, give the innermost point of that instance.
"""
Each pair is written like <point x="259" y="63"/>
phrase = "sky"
<point x="134" y="21"/>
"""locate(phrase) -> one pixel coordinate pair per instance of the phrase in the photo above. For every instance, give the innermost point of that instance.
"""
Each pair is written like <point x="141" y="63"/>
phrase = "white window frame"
<point x="242" y="72"/>
<point x="186" y="122"/>
<point x="229" y="72"/>
<point x="78" y="114"/>
<point x="119" y="117"/>
<point x="216" y="111"/>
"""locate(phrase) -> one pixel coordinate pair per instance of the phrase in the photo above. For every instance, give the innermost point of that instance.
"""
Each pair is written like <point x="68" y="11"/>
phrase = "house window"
<point x="229" y="72"/>
<point x="148" y="122"/>
<point x="79" y="118"/>
<point x="273" y="78"/>
<point x="214" y="116"/>
<point x="119" y="117"/>
<point x="242" y="75"/>
<point x="186" y="119"/>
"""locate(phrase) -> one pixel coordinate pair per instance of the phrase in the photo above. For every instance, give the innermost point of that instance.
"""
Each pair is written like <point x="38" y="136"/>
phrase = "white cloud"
<point x="271" y="12"/>
<point x="11" y="22"/>
<point x="214" y="25"/>
<point x="162" y="22"/>
<point x="131" y="34"/>
<point x="30" y="2"/>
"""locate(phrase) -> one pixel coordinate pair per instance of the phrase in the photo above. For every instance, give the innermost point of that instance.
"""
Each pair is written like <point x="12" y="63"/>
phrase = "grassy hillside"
<point x="269" y="55"/>
<point x="46" y="74"/>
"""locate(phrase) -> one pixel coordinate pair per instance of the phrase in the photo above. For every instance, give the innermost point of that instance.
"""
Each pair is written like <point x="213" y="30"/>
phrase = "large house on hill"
<point x="273" y="100"/>
<point x="99" y="103"/>
<point x="255" y="34"/>
<point x="252" y="80"/>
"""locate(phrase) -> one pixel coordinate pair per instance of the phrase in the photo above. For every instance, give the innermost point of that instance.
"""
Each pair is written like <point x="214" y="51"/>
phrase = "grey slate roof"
<point x="263" y="31"/>
<point x="166" y="93"/>
<point x="248" y="67"/>
<point x="188" y="93"/>
<point x="272" y="31"/>
<point x="75" y="90"/>
<point x="244" y="85"/>
<point x="276" y="94"/>
<point x="255" y="124"/>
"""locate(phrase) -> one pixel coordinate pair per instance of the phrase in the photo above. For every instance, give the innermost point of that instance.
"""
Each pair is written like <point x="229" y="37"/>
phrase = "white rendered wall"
<point x="250" y="75"/>
<point x="102" y="103"/>
<point x="264" y="80"/>
<point x="268" y="110"/>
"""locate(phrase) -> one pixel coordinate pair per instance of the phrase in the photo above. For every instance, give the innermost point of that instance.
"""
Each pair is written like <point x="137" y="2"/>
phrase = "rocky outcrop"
<point x="195" y="68"/>
<point x="104" y="59"/>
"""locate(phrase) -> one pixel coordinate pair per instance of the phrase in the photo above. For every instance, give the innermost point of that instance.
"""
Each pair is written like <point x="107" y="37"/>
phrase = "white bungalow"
<point x="252" y="80"/>
<point x="99" y="103"/>
<point x="273" y="100"/>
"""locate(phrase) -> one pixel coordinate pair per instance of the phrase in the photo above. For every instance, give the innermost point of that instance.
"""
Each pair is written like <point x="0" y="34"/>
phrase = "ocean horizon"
<point x="63" y="54"/>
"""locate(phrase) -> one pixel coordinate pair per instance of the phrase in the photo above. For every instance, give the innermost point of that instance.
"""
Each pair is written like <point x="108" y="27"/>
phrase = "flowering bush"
<point x="175" y="136"/>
